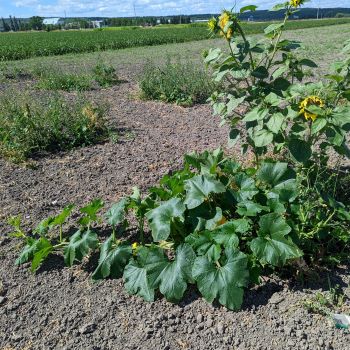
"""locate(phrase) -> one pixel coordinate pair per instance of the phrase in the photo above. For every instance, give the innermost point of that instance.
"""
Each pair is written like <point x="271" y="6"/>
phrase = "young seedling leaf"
<point x="41" y="255"/>
<point x="90" y="212"/>
<point x="199" y="188"/>
<point x="61" y="218"/>
<point x="116" y="214"/>
<point x="80" y="244"/>
<point x="112" y="261"/>
<point x="160" y="218"/>
<point x="33" y="247"/>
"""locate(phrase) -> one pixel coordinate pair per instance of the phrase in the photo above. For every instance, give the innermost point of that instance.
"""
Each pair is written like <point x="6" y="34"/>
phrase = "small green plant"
<point x="48" y="124"/>
<point x="326" y="303"/>
<point x="106" y="76"/>
<point x="65" y="81"/>
<point x="181" y="83"/>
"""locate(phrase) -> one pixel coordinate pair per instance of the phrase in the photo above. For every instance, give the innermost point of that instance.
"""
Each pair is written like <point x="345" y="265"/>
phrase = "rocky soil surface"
<point x="60" y="308"/>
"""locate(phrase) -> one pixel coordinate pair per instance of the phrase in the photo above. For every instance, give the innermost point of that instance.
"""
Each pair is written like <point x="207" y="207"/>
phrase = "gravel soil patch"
<point x="60" y="308"/>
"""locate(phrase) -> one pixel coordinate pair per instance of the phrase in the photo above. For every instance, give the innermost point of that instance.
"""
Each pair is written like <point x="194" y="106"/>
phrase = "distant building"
<point x="53" y="21"/>
<point x="199" y="20"/>
<point x="96" y="24"/>
<point x="251" y="19"/>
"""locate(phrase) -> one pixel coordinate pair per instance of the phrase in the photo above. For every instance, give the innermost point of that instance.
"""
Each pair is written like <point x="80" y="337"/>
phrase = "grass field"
<point x="323" y="46"/>
<point x="16" y="46"/>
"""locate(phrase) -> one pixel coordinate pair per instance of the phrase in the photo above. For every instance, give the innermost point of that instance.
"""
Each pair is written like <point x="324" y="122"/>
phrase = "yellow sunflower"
<point x="223" y="20"/>
<point x="296" y="3"/>
<point x="212" y="24"/>
<point x="310" y="101"/>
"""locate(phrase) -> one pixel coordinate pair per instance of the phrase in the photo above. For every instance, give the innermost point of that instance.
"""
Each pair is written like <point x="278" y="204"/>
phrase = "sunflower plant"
<point x="266" y="101"/>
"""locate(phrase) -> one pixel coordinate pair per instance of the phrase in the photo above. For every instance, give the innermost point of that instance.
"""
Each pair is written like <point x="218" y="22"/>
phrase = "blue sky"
<point x="118" y="8"/>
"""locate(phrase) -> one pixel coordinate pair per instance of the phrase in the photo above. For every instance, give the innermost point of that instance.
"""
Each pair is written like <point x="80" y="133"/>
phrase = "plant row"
<point x="25" y="45"/>
<point x="217" y="226"/>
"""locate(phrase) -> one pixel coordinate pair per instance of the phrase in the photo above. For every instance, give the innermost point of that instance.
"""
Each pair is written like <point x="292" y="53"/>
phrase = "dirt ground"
<point x="60" y="308"/>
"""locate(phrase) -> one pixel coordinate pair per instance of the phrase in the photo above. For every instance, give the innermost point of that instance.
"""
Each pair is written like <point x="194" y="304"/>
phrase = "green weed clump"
<point x="65" y="81"/>
<point x="105" y="75"/>
<point x="181" y="83"/>
<point x="31" y="126"/>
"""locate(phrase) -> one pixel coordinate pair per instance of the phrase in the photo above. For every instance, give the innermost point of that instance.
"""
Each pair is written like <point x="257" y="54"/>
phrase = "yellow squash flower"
<point x="222" y="221"/>
<point x="135" y="246"/>
<point x="309" y="101"/>
<point x="296" y="3"/>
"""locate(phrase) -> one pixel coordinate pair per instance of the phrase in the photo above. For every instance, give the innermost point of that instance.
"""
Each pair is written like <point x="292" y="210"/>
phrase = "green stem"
<point x="278" y="39"/>
<point x="113" y="234"/>
<point x="61" y="234"/>
<point x="60" y="245"/>
<point x="141" y="228"/>
<point x="241" y="32"/>
<point x="234" y="57"/>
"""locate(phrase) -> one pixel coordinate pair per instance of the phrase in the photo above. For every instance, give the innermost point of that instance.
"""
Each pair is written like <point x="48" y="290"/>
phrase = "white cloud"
<point x="26" y="3"/>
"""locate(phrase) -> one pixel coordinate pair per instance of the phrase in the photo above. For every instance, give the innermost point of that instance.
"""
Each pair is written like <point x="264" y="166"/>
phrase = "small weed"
<point x="105" y="76"/>
<point x="114" y="137"/>
<point x="47" y="124"/>
<point x="65" y="82"/>
<point x="181" y="83"/>
<point x="324" y="303"/>
<point x="130" y="135"/>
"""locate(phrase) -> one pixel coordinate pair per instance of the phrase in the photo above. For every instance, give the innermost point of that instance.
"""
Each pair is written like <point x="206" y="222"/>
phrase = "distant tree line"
<point x="15" y="25"/>
<point x="142" y="21"/>
<point x="36" y="22"/>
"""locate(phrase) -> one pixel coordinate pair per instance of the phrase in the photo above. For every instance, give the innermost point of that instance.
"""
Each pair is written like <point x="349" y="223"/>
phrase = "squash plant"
<point x="214" y="223"/>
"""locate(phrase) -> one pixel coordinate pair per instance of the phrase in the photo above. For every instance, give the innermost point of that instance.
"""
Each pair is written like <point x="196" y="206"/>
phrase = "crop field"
<point x="17" y="46"/>
<point x="161" y="189"/>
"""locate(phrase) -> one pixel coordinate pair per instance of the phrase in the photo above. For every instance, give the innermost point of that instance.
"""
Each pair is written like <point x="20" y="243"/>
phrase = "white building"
<point x="96" y="24"/>
<point x="53" y="21"/>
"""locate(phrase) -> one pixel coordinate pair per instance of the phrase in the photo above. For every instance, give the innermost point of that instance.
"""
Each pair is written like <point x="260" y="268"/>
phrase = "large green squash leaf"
<point x="275" y="249"/>
<point x="152" y="270"/>
<point x="175" y="275"/>
<point x="36" y="251"/>
<point x="80" y="244"/>
<point x="112" y="261"/>
<point x="274" y="173"/>
<point x="273" y="223"/>
<point x="243" y="187"/>
<point x="225" y="282"/>
<point x="273" y="246"/>
<point x="140" y="274"/>
<point x="160" y="218"/>
<point x="116" y="214"/>
<point x="198" y="189"/>
<point x="204" y="244"/>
